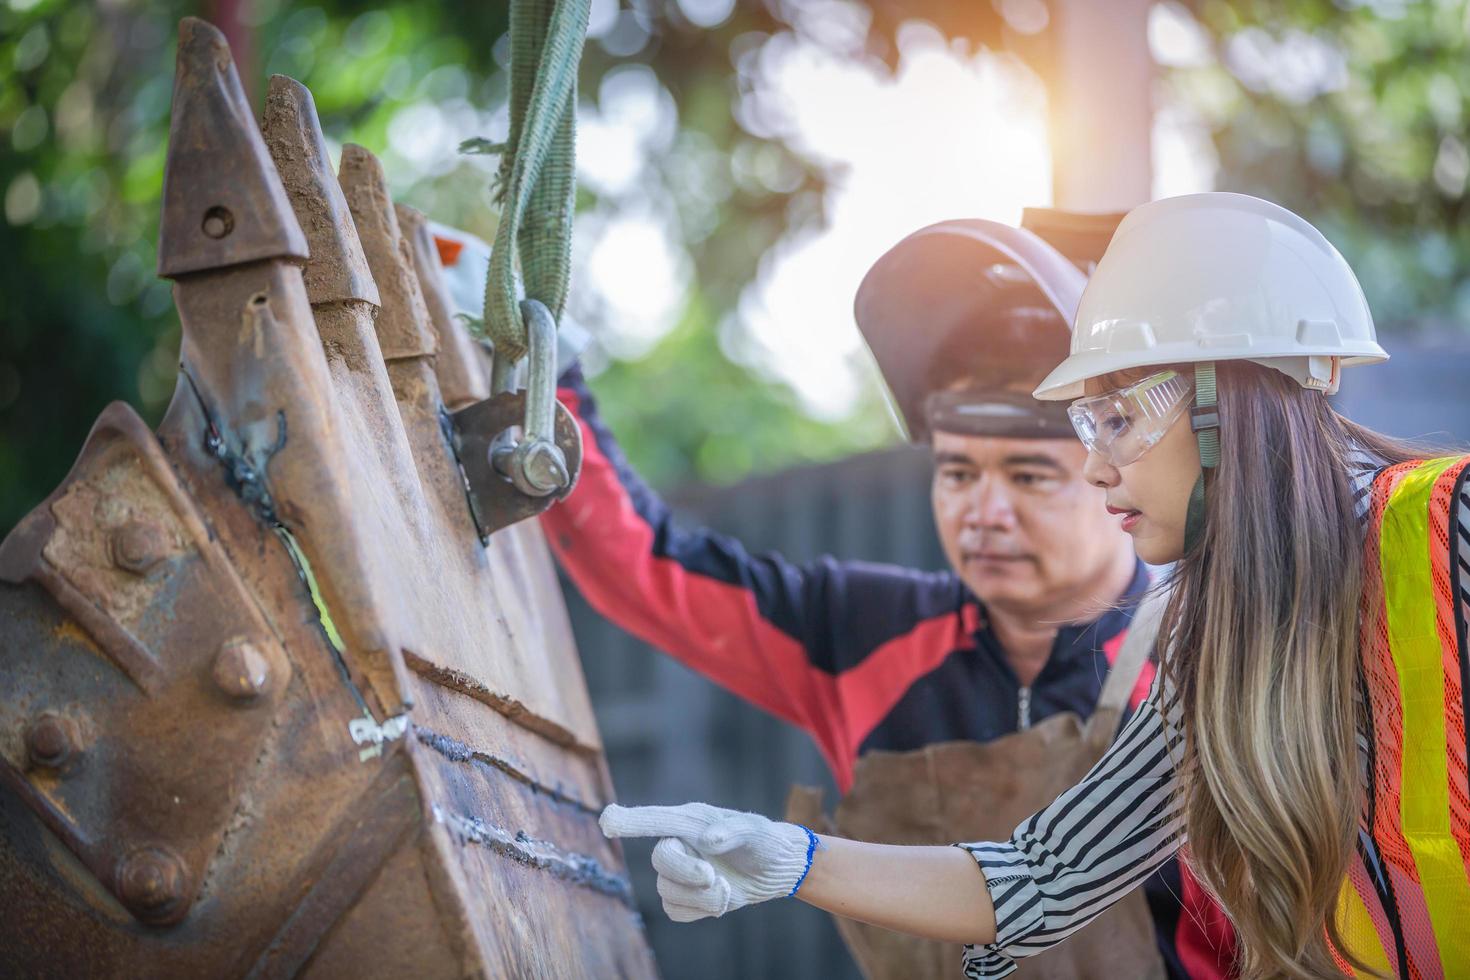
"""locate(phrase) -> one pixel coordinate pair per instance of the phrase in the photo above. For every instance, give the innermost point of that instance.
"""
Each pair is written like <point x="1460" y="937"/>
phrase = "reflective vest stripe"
<point x="1406" y="564"/>
<point x="1442" y="540"/>
<point x="1414" y="667"/>
<point x="1363" y="926"/>
<point x="1381" y="674"/>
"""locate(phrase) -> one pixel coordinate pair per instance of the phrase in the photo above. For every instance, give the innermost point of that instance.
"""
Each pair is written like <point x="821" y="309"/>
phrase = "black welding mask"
<point x="965" y="317"/>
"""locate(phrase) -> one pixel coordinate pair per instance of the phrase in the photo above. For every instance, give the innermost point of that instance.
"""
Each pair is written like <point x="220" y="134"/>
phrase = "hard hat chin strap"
<point x="1204" y="420"/>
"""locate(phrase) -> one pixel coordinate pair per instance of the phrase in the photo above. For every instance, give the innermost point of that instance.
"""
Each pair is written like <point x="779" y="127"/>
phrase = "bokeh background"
<point x="741" y="163"/>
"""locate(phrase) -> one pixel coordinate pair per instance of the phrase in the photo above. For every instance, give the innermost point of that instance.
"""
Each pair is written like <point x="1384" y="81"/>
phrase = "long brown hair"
<point x="1263" y="629"/>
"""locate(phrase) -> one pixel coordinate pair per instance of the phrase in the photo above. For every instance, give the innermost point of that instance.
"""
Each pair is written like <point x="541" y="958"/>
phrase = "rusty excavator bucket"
<point x="268" y="706"/>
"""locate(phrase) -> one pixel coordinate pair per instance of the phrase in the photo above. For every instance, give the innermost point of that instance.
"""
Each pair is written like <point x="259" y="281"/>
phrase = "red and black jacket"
<point x="860" y="655"/>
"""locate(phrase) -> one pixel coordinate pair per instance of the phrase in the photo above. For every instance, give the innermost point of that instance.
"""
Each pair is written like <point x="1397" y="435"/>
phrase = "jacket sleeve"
<point x="824" y="645"/>
<point x="1098" y="841"/>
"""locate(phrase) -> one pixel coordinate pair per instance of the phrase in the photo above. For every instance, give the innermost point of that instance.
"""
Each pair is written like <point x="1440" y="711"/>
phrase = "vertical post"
<point x="1101" y="94"/>
<point x="233" y="18"/>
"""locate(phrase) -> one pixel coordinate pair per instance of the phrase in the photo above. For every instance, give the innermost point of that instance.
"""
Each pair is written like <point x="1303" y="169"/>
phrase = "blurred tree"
<point x="1354" y="113"/>
<point x="1351" y="112"/>
<point x="84" y="101"/>
<point x="84" y="106"/>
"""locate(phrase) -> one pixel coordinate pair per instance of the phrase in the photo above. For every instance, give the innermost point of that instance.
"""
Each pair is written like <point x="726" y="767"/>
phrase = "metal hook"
<point x="510" y="478"/>
<point x="535" y="464"/>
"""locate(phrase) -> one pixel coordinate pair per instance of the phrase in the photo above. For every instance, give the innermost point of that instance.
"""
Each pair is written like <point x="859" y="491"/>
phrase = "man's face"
<point x="1018" y="522"/>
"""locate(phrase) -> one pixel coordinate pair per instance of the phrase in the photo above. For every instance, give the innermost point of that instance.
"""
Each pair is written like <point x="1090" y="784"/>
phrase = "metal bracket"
<point x="510" y="478"/>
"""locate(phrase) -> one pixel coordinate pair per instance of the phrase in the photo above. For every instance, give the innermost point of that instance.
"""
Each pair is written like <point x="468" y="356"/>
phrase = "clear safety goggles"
<point x="1122" y="425"/>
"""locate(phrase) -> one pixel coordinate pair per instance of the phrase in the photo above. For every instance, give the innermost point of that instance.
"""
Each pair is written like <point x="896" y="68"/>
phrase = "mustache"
<point x="989" y="548"/>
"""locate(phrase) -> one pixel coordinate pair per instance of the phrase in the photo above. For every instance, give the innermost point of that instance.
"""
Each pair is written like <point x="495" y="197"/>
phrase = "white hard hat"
<point x="1218" y="277"/>
<point x="464" y="261"/>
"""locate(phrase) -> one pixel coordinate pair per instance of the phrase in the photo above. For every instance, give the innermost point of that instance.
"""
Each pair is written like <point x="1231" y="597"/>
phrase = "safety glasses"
<point x="1122" y="425"/>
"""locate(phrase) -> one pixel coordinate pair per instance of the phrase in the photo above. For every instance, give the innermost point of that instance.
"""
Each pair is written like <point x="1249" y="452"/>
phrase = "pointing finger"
<point x="684" y="821"/>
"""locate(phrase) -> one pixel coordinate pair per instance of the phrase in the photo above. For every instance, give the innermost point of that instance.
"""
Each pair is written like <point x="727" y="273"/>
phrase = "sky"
<point x="948" y="135"/>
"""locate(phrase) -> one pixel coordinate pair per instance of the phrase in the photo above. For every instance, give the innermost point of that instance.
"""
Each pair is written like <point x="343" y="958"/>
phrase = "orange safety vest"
<point x="1405" y="908"/>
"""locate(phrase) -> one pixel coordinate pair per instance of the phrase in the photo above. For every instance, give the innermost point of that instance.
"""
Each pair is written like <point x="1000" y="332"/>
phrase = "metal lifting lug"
<point x="512" y="476"/>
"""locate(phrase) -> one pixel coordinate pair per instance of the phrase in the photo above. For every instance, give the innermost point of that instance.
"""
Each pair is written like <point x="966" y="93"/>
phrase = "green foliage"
<point x="686" y="412"/>
<point x="480" y="145"/>
<point x="1359" y="123"/>
<point x="1378" y="158"/>
<point x="84" y="103"/>
<point x="84" y="91"/>
<point x="84" y="106"/>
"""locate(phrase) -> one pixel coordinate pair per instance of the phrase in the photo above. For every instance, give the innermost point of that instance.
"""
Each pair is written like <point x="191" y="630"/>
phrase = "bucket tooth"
<point x="343" y="295"/>
<point x="211" y="637"/>
<point x="338" y="269"/>
<point x="223" y="203"/>
<point x="462" y="377"/>
<point x="403" y="324"/>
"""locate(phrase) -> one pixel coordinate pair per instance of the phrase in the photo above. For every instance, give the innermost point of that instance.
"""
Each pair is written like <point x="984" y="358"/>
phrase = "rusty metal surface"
<point x="232" y="216"/>
<point x="268" y="707"/>
<point x="143" y="825"/>
<point x="339" y="270"/>
<point x="494" y="501"/>
<point x="462" y="380"/>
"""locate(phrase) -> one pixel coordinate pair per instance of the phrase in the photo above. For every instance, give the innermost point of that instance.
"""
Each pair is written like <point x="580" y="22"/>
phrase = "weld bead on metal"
<point x="51" y="740"/>
<point x="150" y="882"/>
<point x="139" y="545"/>
<point x="241" y="670"/>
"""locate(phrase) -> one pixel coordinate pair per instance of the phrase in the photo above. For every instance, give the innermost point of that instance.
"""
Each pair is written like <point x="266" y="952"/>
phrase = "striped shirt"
<point x="1103" y="837"/>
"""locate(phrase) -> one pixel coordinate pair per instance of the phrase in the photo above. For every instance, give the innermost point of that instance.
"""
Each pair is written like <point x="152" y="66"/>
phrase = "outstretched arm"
<point x="934" y="892"/>
<point x="711" y="861"/>
<point x="1062" y="867"/>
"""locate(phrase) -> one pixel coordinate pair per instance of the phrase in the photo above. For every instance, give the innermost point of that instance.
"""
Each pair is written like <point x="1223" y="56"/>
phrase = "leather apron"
<point x="974" y="791"/>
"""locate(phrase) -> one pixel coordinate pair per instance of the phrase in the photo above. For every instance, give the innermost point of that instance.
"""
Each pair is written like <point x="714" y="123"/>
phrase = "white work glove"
<point x="711" y="861"/>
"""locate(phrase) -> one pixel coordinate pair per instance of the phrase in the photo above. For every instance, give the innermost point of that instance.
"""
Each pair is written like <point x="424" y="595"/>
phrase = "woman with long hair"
<point x="1306" y="736"/>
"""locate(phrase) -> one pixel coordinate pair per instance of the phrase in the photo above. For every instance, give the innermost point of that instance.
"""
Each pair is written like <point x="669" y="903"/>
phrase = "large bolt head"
<point x="218" y="222"/>
<point x="51" y="740"/>
<point x="241" y="670"/>
<point x="151" y="882"/>
<point x="543" y="468"/>
<point x="139" y="545"/>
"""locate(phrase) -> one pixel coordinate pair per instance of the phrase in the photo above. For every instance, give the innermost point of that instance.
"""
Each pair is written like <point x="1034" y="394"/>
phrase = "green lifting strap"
<point x="538" y="178"/>
<point x="1204" y="419"/>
